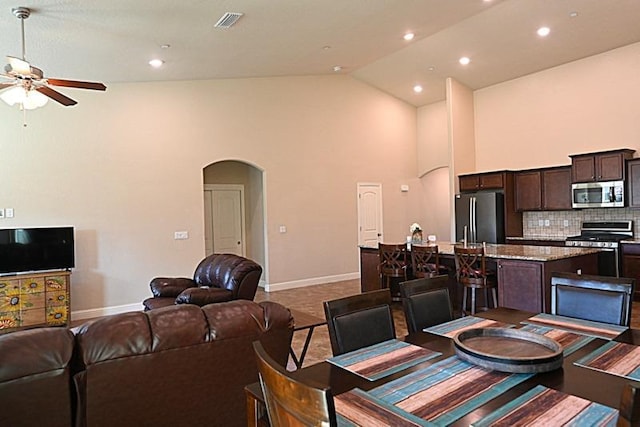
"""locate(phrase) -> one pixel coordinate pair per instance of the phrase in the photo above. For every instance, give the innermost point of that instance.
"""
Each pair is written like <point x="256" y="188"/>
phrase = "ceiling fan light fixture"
<point x="27" y="99"/>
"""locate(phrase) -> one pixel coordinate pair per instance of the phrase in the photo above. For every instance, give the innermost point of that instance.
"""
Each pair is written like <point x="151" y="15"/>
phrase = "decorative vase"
<point x="416" y="237"/>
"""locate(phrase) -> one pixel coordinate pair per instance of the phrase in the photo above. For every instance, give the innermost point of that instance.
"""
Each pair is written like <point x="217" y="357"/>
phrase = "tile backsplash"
<point x="567" y="223"/>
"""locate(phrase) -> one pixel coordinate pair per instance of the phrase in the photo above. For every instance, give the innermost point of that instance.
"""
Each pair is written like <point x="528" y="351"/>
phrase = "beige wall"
<point x="125" y="168"/>
<point x="538" y="120"/>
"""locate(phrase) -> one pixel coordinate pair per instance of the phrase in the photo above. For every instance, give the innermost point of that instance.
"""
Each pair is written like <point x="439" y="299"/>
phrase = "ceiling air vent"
<point x="228" y="19"/>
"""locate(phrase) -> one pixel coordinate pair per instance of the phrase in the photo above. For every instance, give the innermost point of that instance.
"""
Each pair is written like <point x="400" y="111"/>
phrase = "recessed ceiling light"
<point x="417" y="88"/>
<point x="543" y="31"/>
<point x="337" y="68"/>
<point x="408" y="36"/>
<point x="573" y="14"/>
<point x="464" y="60"/>
<point x="431" y="68"/>
<point x="165" y="46"/>
<point x="156" y="63"/>
<point x="326" y="47"/>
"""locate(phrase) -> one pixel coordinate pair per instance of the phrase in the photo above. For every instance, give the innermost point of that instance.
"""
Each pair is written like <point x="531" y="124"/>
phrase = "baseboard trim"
<point x="105" y="311"/>
<point x="272" y="287"/>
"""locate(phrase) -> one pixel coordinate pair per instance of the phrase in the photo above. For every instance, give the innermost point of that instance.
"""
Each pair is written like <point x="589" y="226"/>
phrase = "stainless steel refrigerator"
<point x="482" y="214"/>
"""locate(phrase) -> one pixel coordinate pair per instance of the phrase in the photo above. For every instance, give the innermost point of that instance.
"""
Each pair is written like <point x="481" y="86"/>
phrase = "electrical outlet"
<point x="1" y="213"/>
<point x="540" y="222"/>
<point x="283" y="228"/>
<point x="181" y="235"/>
<point x="8" y="212"/>
<point x="566" y="222"/>
<point x="547" y="223"/>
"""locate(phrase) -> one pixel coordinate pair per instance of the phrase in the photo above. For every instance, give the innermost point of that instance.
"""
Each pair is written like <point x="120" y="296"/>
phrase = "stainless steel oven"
<point x="606" y="236"/>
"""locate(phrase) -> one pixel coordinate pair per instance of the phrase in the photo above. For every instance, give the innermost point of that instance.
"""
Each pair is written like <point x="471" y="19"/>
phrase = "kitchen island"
<point x="523" y="271"/>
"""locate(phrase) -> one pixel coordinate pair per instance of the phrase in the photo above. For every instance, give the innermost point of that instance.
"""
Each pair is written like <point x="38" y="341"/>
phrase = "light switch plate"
<point x="181" y="235"/>
<point x="8" y="212"/>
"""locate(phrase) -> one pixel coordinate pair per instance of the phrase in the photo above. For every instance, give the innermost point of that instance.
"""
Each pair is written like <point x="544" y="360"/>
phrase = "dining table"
<point x="570" y="378"/>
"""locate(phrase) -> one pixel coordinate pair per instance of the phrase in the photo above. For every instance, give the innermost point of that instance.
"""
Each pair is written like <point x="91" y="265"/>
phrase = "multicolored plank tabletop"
<point x="450" y="329"/>
<point x="447" y="390"/>
<point x="615" y="358"/>
<point x="385" y="358"/>
<point x="359" y="408"/>
<point x="542" y="406"/>
<point x="585" y="327"/>
<point x="570" y="341"/>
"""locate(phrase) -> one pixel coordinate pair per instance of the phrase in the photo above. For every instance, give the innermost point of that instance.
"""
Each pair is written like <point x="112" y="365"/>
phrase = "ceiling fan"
<point x="28" y="86"/>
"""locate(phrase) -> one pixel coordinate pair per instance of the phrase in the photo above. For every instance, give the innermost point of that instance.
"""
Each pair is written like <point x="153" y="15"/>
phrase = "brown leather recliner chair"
<point x="218" y="278"/>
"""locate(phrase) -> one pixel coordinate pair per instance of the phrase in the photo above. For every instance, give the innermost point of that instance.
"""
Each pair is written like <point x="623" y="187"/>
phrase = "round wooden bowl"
<point x="508" y="350"/>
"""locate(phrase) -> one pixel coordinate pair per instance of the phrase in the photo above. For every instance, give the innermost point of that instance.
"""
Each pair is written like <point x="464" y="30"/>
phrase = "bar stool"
<point x="425" y="261"/>
<point x="393" y="263"/>
<point x="471" y="273"/>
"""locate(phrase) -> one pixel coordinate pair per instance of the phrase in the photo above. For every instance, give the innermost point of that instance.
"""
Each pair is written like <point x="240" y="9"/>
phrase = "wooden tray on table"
<point x="508" y="350"/>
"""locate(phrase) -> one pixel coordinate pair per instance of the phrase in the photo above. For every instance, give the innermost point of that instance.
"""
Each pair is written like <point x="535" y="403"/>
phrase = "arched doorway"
<point x="227" y="177"/>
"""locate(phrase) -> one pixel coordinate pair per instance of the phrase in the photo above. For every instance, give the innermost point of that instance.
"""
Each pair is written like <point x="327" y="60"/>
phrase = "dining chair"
<point x="588" y="297"/>
<point x="425" y="260"/>
<point x="359" y="321"/>
<point x="629" y="412"/>
<point x="426" y="302"/>
<point x="393" y="263"/>
<point x="291" y="402"/>
<point x="472" y="273"/>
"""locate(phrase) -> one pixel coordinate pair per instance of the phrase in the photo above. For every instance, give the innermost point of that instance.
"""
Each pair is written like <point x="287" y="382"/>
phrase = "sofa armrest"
<point x="204" y="295"/>
<point x="170" y="286"/>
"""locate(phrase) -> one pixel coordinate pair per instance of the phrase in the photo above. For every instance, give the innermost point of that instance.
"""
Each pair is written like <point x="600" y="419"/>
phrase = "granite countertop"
<point x="523" y="252"/>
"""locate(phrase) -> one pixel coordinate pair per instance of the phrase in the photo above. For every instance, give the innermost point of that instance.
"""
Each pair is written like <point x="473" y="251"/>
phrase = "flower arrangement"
<point x="415" y="227"/>
<point x="416" y="233"/>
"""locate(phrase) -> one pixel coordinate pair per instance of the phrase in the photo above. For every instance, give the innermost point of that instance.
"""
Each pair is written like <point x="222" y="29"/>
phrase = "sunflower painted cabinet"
<point x="34" y="300"/>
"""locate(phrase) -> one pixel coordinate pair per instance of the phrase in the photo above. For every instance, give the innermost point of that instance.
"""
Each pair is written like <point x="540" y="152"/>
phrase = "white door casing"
<point x="224" y="219"/>
<point x="369" y="214"/>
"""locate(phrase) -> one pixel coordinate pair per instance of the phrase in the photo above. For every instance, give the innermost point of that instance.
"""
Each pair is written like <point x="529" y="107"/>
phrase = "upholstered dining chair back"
<point x="289" y="402"/>
<point x="359" y="320"/>
<point x="597" y="298"/>
<point x="426" y="302"/>
<point x="425" y="260"/>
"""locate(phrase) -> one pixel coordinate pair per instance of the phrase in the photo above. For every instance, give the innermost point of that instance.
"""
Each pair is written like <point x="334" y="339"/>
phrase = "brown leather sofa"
<point x="218" y="278"/>
<point x="182" y="365"/>
<point x="35" y="378"/>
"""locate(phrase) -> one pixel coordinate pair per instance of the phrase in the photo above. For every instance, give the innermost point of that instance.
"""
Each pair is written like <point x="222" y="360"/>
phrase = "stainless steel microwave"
<point x="608" y="194"/>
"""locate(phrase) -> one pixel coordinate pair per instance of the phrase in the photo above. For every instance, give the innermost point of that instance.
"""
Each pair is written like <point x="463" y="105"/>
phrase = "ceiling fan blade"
<point x="19" y="66"/>
<point x="56" y="96"/>
<point x="77" y="84"/>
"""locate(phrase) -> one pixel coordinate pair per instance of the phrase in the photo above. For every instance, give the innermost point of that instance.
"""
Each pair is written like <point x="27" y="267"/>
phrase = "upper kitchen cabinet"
<point x="482" y="181"/>
<point x="547" y="189"/>
<point x="603" y="166"/>
<point x="633" y="184"/>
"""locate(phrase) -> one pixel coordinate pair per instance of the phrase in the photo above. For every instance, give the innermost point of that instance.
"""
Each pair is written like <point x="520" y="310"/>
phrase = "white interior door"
<point x="369" y="214"/>
<point x="224" y="224"/>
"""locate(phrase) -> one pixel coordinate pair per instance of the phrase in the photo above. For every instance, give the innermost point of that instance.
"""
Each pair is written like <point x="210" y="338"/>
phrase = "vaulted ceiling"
<point x="112" y="41"/>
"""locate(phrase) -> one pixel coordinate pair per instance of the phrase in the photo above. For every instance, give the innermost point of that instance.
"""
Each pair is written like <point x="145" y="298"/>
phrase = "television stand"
<point x="34" y="299"/>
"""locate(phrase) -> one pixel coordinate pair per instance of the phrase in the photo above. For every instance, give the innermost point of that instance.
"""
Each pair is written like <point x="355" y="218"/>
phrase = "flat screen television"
<point x="36" y="249"/>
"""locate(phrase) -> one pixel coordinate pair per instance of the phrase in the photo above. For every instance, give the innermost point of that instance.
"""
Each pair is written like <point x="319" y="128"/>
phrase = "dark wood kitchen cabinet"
<point x="547" y="189"/>
<point x="631" y="264"/>
<point x="482" y="181"/>
<point x="633" y="183"/>
<point x="603" y="166"/>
